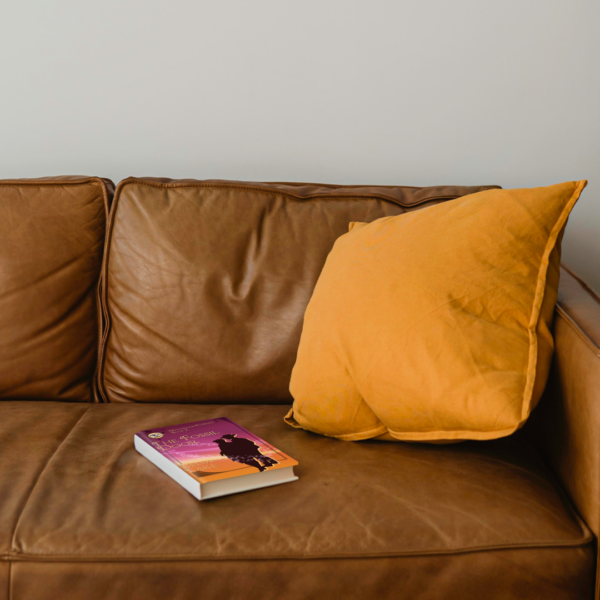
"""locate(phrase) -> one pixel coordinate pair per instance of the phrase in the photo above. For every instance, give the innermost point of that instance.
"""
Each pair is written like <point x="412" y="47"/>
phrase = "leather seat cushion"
<point x="30" y="434"/>
<point x="206" y="282"/>
<point x="52" y="234"/>
<point x="365" y="519"/>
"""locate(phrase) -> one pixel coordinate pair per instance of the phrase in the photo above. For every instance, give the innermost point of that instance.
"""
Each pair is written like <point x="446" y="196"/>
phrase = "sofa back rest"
<point x="206" y="282"/>
<point x="52" y="234"/>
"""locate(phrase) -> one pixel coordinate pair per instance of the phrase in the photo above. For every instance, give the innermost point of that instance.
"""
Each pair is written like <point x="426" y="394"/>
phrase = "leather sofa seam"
<point x="99" y="304"/>
<point x="592" y="292"/>
<point x="578" y="330"/>
<point x="32" y="490"/>
<point x="335" y="186"/>
<point x="21" y="182"/>
<point x="30" y="557"/>
<point x="103" y="294"/>
<point x="174" y="185"/>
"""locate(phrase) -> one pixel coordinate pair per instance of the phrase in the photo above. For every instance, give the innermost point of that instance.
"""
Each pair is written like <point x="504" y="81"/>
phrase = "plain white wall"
<point x="406" y="92"/>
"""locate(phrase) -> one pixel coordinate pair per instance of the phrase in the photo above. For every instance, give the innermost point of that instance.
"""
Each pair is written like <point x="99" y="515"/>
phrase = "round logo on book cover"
<point x="155" y="435"/>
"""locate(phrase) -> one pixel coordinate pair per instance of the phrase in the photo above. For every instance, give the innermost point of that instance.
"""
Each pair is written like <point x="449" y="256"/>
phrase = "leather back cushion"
<point x="206" y="282"/>
<point x="52" y="234"/>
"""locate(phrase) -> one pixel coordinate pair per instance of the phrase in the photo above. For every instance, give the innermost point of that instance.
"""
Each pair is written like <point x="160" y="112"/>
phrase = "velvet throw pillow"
<point x="435" y="325"/>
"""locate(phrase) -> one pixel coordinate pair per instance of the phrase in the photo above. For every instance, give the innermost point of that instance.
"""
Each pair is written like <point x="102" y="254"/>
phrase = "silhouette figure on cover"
<point x="243" y="451"/>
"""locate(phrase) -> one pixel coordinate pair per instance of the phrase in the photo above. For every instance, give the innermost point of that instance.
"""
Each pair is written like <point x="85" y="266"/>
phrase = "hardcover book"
<point x="215" y="457"/>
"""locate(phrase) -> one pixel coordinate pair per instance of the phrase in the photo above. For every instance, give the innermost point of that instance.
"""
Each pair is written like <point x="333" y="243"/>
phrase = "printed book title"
<point x="184" y="440"/>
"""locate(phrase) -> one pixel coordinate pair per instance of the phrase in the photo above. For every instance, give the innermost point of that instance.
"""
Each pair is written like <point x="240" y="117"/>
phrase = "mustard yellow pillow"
<point x="435" y="325"/>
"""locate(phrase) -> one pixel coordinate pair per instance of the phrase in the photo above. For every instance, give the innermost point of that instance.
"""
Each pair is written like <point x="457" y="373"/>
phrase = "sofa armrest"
<point x="566" y="424"/>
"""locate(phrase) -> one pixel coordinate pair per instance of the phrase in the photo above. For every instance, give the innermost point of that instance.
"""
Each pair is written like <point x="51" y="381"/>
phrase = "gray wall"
<point x="409" y="92"/>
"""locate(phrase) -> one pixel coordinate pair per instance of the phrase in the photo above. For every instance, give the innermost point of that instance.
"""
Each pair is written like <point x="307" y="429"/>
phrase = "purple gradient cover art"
<point x="215" y="449"/>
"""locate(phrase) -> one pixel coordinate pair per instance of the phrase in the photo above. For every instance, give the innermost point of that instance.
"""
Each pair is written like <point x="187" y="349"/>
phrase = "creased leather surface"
<point x="51" y="243"/>
<point x="98" y="498"/>
<point x="555" y="574"/>
<point x="4" y="579"/>
<point x="30" y="434"/>
<point x="365" y="519"/>
<point x="206" y="283"/>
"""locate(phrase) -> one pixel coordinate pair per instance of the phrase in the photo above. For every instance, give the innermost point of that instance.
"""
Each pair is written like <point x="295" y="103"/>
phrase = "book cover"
<point x="215" y="449"/>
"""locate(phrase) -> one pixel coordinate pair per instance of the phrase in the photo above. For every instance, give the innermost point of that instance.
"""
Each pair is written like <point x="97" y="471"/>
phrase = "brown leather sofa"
<point x="198" y="314"/>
